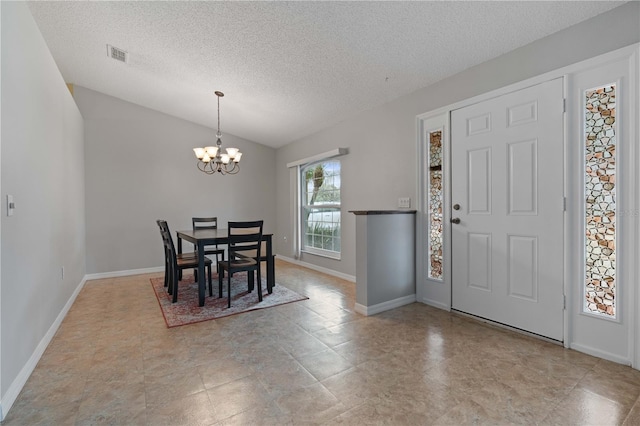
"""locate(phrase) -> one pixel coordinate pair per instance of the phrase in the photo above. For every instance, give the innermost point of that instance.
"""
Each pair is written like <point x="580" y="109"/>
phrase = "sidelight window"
<point x="434" y="204"/>
<point x="600" y="200"/>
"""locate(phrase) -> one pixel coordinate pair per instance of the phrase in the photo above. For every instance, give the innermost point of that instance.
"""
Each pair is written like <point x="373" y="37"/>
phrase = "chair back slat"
<point x="167" y="240"/>
<point x="245" y="237"/>
<point x="204" y="223"/>
<point x="208" y="223"/>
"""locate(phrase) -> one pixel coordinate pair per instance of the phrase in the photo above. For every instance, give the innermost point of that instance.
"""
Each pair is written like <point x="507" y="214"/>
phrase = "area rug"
<point x="186" y="310"/>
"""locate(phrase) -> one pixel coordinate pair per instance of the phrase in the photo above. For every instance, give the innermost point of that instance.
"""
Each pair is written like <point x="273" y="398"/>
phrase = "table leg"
<point x="201" y="276"/>
<point x="271" y="267"/>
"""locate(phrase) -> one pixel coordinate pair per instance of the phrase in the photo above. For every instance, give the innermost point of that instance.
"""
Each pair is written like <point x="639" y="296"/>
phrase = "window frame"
<point x="304" y="207"/>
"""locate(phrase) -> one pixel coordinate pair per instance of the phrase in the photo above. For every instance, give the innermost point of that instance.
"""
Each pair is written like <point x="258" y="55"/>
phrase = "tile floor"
<point x="113" y="361"/>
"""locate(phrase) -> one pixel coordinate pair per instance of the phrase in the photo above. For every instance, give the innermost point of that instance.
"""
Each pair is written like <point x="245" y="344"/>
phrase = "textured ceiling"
<point x="288" y="69"/>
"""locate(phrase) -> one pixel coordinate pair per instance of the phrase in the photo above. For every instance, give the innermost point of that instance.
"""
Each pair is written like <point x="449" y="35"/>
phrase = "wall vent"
<point x="117" y="54"/>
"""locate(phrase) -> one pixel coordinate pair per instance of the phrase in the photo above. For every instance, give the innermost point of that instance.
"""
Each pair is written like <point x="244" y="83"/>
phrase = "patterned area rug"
<point x="186" y="310"/>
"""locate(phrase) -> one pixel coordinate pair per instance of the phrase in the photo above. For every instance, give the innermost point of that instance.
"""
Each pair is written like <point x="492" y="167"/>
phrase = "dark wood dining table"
<point x="207" y="237"/>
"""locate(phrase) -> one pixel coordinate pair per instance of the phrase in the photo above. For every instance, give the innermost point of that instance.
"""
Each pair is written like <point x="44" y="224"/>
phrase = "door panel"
<point x="523" y="267"/>
<point x="480" y="261"/>
<point x="507" y="164"/>
<point x="479" y="165"/>
<point x="523" y="177"/>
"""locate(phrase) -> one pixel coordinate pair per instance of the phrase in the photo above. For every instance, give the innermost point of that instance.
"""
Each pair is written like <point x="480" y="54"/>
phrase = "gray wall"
<point x="379" y="281"/>
<point x="140" y="167"/>
<point x="42" y="166"/>
<point x="136" y="157"/>
<point x="371" y="182"/>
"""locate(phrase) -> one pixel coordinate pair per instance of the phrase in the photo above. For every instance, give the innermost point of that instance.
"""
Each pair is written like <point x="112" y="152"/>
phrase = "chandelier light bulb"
<point x="199" y="152"/>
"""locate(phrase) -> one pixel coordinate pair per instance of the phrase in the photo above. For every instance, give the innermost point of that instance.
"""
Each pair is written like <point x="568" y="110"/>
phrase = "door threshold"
<point x="502" y="326"/>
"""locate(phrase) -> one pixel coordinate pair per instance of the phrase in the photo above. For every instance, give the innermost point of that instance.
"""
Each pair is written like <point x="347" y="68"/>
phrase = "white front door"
<point x="507" y="192"/>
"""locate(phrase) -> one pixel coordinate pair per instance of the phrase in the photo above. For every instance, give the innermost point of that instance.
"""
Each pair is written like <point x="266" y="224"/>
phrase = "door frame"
<point x="627" y="198"/>
<point x="428" y="292"/>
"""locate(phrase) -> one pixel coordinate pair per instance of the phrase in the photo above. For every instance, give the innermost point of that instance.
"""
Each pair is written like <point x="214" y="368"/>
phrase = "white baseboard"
<point x="318" y="268"/>
<point x="116" y="274"/>
<point x="599" y="353"/>
<point x="126" y="273"/>
<point x="384" y="306"/>
<point x="16" y="386"/>
<point x="436" y="304"/>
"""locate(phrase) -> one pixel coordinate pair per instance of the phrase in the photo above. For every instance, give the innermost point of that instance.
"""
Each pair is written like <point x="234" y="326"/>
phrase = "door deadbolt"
<point x="455" y="220"/>
<point x="456" y="206"/>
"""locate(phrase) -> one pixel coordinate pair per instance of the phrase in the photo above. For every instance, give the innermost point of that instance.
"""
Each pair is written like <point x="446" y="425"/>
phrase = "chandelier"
<point x="212" y="160"/>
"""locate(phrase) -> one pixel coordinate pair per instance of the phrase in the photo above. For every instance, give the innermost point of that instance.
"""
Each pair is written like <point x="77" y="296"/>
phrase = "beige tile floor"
<point x="113" y="361"/>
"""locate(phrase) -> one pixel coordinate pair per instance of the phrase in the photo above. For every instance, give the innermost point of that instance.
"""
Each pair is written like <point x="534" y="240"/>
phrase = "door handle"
<point x="455" y="220"/>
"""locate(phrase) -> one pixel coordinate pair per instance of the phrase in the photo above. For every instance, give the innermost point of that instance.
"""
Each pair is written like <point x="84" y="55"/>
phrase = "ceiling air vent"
<point x="117" y="54"/>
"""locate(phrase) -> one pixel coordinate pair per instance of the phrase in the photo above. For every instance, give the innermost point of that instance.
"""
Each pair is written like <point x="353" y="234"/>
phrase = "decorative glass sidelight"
<point x="600" y="200"/>
<point x="434" y="204"/>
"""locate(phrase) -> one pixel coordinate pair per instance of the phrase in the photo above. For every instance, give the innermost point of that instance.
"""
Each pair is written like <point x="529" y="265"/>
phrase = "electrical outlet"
<point x="11" y="206"/>
<point x="404" y="202"/>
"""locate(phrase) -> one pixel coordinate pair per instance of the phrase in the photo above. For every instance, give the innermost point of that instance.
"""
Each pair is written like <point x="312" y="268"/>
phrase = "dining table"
<point x="207" y="237"/>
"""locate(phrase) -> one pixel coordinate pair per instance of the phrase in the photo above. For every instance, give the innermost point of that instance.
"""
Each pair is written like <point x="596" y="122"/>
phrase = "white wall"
<point x="140" y="167"/>
<point x="372" y="182"/>
<point x="42" y="166"/>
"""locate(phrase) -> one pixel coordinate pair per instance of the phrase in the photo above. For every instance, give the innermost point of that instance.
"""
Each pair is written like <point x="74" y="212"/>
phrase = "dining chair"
<point x="245" y="237"/>
<point x="175" y="262"/>
<point x="208" y="223"/>
<point x="263" y="258"/>
<point x="167" y="271"/>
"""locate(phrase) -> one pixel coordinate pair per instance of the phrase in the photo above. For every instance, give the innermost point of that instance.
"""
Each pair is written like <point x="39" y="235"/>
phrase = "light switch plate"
<point x="404" y="202"/>
<point x="10" y="205"/>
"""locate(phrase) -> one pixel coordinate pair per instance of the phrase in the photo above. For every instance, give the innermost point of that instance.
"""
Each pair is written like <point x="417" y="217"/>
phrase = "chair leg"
<point x="166" y="275"/>
<point x="218" y="264"/>
<point x="210" y="286"/>
<point x="170" y="280"/>
<point x="175" y="286"/>
<point x="259" y="283"/>
<point x="166" y="270"/>
<point x="229" y="289"/>
<point x="220" y="276"/>
<point x="250" y="282"/>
